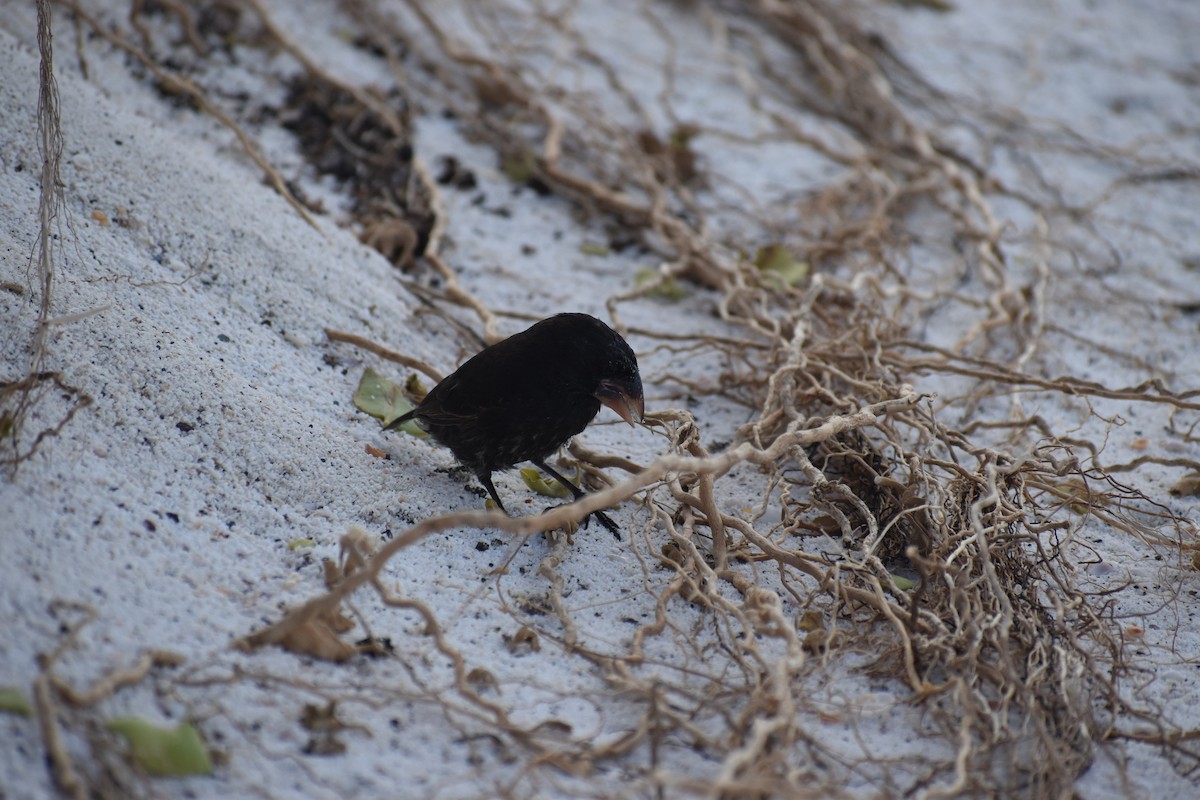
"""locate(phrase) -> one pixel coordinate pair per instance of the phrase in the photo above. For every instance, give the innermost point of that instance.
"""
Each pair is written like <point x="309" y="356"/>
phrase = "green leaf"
<point x="519" y="168"/>
<point x="169" y="752"/>
<point x="902" y="583"/>
<point x="780" y="267"/>
<point x="933" y="5"/>
<point x="670" y="289"/>
<point x="414" y="387"/>
<point x="384" y="400"/>
<point x="682" y="135"/>
<point x="13" y="702"/>
<point x="594" y="249"/>
<point x="543" y="486"/>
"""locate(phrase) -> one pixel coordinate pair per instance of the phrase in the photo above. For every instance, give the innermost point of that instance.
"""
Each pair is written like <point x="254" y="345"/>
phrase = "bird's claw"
<point x="605" y="520"/>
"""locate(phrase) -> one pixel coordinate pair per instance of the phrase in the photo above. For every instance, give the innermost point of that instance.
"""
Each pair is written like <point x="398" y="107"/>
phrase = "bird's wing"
<point x="454" y="401"/>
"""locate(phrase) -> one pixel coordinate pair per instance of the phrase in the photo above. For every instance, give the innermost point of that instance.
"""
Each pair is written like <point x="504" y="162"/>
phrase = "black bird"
<point x="523" y="398"/>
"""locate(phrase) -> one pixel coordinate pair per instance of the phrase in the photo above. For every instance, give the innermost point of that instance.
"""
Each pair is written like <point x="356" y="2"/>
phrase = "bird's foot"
<point x="606" y="521"/>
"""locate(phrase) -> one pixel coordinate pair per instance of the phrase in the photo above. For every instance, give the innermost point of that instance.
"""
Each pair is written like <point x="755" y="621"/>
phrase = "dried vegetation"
<point x="931" y="544"/>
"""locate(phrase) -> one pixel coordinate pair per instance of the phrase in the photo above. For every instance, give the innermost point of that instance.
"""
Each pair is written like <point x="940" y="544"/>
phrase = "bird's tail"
<point x="400" y="420"/>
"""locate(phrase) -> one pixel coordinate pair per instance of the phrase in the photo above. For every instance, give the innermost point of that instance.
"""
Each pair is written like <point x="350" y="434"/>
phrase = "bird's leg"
<point x="575" y="490"/>
<point x="486" y="479"/>
<point x="579" y="493"/>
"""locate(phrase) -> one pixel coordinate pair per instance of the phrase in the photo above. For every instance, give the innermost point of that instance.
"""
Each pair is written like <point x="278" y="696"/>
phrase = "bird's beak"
<point x="629" y="405"/>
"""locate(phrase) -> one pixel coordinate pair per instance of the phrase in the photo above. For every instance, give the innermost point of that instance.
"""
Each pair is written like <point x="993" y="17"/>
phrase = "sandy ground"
<point x="192" y="303"/>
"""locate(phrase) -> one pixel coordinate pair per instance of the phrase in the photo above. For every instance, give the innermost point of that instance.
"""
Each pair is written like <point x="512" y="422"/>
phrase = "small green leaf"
<point x="384" y="400"/>
<point x="296" y="544"/>
<point x="902" y="583"/>
<point x="520" y="168"/>
<point x="594" y="249"/>
<point x="414" y="387"/>
<point x="932" y="5"/>
<point x="13" y="702"/>
<point x="682" y="135"/>
<point x="543" y="486"/>
<point x="780" y="267"/>
<point x="169" y="752"/>
<point x="670" y="289"/>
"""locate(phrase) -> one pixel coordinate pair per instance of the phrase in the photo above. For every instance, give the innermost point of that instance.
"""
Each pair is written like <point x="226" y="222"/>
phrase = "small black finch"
<point x="523" y="398"/>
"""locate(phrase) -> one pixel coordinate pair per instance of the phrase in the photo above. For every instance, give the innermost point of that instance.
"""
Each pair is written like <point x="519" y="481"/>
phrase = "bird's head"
<point x="620" y="386"/>
<point x="607" y="366"/>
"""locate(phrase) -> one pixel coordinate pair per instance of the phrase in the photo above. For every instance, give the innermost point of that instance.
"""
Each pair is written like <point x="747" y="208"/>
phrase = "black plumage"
<point x="523" y="398"/>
